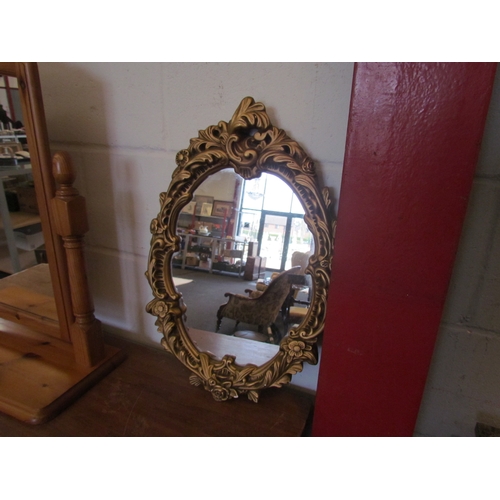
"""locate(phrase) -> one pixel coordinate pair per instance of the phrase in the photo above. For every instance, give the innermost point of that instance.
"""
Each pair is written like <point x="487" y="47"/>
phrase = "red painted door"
<point x="413" y="140"/>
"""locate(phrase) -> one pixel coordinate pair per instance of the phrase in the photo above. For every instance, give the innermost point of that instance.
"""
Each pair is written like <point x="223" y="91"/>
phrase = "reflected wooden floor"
<point x="27" y="298"/>
<point x="245" y="351"/>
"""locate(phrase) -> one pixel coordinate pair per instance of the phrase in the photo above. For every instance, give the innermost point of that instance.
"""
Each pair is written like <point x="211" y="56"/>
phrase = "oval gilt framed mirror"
<point x="253" y="151"/>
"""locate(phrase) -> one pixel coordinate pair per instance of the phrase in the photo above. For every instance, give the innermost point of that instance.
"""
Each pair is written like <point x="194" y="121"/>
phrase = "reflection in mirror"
<point x="237" y="237"/>
<point x="23" y="261"/>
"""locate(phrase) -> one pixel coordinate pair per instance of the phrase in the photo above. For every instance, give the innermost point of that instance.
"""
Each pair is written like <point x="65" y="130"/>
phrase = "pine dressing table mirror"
<point x="247" y="149"/>
<point x="51" y="345"/>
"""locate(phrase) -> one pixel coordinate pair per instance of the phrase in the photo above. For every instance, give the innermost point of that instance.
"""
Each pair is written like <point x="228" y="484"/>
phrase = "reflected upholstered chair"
<point x="300" y="259"/>
<point x="293" y="314"/>
<point x="263" y="310"/>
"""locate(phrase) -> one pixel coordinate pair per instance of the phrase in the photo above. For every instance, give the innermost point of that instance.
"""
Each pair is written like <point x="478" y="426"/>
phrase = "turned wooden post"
<point x="70" y="217"/>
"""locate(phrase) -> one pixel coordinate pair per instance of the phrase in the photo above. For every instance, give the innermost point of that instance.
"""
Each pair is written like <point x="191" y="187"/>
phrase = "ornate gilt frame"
<point x="251" y="145"/>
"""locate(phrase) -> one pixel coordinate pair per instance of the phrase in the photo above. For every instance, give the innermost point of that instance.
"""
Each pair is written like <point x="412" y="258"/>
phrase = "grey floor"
<point x="205" y="294"/>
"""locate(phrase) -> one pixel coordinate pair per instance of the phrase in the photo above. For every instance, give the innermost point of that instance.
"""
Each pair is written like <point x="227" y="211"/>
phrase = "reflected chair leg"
<point x="270" y="332"/>
<point x="275" y="335"/>
<point x="219" y="317"/>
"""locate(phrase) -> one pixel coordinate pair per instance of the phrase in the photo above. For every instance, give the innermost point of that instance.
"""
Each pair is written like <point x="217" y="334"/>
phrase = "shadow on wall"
<point x="464" y="377"/>
<point x="77" y="122"/>
<point x="474" y="292"/>
<point x="122" y="290"/>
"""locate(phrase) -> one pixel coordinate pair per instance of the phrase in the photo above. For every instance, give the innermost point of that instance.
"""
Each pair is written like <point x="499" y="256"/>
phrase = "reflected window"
<point x="271" y="214"/>
<point x="10" y="110"/>
<point x="269" y="193"/>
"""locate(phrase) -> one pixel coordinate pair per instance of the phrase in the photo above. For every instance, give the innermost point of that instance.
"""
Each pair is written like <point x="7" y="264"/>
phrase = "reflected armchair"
<point x="294" y="310"/>
<point x="263" y="310"/>
<point x="300" y="259"/>
<point x="296" y="313"/>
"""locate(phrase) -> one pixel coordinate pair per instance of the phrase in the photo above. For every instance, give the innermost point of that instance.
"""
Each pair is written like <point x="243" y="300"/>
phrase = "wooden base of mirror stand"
<point x="39" y="376"/>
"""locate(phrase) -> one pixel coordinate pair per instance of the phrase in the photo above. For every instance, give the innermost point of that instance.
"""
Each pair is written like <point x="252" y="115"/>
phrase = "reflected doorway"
<point x="271" y="214"/>
<point x="280" y="235"/>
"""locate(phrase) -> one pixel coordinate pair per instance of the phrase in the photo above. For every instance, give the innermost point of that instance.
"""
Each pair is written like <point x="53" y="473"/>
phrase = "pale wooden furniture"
<point x="51" y="344"/>
<point x="39" y="376"/>
<point x="149" y="395"/>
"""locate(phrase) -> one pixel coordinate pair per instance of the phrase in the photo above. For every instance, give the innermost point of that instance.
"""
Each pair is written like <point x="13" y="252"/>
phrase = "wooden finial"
<point x="62" y="169"/>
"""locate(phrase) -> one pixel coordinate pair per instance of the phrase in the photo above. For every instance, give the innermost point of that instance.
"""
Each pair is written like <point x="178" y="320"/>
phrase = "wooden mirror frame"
<point x="45" y="187"/>
<point x="69" y="357"/>
<point x="251" y="145"/>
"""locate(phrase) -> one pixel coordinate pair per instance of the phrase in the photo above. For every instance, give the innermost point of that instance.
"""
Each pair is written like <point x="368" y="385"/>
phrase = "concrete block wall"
<point x="123" y="124"/>
<point x="463" y="385"/>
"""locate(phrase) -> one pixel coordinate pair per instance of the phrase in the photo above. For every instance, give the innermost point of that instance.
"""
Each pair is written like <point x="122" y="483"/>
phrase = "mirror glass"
<point x="237" y="236"/>
<point x="23" y="260"/>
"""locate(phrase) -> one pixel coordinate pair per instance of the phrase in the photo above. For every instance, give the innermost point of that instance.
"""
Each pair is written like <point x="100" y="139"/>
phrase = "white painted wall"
<point x="123" y="123"/>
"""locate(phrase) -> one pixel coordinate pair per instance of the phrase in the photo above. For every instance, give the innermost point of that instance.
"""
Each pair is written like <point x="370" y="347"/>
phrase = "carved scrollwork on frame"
<point x="251" y="145"/>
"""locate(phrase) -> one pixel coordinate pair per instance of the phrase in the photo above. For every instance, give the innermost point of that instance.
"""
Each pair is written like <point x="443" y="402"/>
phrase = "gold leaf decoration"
<point x="253" y="396"/>
<point x="195" y="380"/>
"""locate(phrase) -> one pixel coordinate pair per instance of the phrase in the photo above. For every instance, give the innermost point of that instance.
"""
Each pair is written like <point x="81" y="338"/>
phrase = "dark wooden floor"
<point x="149" y="395"/>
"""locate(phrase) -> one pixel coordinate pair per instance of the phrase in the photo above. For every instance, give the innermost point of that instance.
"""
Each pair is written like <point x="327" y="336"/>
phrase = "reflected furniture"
<point x="262" y="310"/>
<point x="292" y="313"/>
<point x="296" y="313"/>
<point x="255" y="265"/>
<point x="255" y="268"/>
<point x="299" y="259"/>
<point x="212" y="253"/>
<point x="205" y="211"/>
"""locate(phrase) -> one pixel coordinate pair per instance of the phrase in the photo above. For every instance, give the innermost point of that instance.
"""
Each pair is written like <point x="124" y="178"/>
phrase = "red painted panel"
<point x="413" y="141"/>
